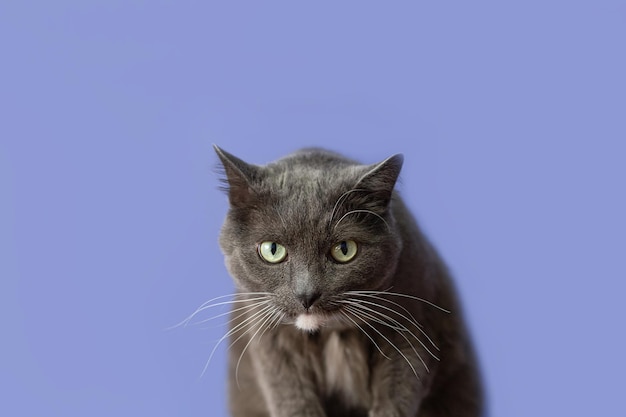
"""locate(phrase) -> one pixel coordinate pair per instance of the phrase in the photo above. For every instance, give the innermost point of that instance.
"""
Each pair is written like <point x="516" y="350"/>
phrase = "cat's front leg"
<point x="287" y="382"/>
<point x="397" y="387"/>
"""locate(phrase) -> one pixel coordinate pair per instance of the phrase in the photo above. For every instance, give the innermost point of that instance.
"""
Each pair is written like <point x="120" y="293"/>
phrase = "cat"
<point x="343" y="307"/>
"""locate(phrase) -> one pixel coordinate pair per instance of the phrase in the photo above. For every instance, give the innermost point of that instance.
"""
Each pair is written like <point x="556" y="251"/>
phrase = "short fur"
<point x="384" y="336"/>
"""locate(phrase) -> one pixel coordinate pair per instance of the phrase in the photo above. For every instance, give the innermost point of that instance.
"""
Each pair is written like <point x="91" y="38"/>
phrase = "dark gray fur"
<point x="339" y="369"/>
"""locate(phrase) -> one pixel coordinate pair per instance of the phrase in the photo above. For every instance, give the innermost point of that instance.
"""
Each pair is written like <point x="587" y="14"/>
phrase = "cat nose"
<point x="308" y="298"/>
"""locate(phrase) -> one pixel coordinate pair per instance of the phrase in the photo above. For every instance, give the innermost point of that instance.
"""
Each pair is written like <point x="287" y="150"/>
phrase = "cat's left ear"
<point x="379" y="181"/>
<point x="240" y="177"/>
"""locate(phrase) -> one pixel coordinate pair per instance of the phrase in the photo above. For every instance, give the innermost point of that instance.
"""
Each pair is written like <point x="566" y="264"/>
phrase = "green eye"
<point x="344" y="251"/>
<point x="272" y="252"/>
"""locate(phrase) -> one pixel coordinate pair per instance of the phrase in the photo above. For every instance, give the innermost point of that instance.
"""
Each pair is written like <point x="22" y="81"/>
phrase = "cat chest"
<point x="346" y="369"/>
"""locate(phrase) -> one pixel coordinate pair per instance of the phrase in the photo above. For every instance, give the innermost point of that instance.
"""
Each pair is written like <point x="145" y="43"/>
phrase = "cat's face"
<point x="307" y="229"/>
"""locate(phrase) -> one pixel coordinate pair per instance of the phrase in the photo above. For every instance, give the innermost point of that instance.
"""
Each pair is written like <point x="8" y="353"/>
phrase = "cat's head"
<point x="307" y="228"/>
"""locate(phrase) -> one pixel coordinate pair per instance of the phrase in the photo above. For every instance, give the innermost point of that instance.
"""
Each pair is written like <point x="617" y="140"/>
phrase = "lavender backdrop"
<point x="511" y="116"/>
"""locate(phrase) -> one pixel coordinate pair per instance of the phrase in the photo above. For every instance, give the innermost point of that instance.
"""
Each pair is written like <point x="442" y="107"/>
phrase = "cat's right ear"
<point x="238" y="179"/>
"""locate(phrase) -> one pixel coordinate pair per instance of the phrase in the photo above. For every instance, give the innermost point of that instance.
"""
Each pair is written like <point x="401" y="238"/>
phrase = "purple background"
<point x="512" y="119"/>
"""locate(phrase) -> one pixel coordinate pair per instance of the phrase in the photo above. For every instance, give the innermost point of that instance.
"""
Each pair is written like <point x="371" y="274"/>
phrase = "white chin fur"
<point x="309" y="322"/>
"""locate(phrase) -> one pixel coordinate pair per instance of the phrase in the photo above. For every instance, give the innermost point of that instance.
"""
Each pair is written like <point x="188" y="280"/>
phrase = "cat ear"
<point x="239" y="176"/>
<point x="379" y="181"/>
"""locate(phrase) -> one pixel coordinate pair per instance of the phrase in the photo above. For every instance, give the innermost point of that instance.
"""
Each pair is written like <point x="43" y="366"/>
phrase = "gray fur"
<point x="367" y="357"/>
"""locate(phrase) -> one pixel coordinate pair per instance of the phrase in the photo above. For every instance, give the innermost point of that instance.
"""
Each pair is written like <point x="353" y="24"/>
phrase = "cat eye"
<point x="344" y="251"/>
<point x="272" y="252"/>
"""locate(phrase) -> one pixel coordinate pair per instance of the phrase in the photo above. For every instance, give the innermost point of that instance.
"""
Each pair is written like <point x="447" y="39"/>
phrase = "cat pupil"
<point x="273" y="249"/>
<point x="344" y="247"/>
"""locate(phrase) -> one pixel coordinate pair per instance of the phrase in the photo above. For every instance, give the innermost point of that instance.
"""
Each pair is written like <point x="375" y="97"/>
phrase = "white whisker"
<point x="246" y="308"/>
<point x="248" y="322"/>
<point x="395" y="326"/>
<point x="344" y="195"/>
<point x="362" y="211"/>
<point x="278" y="317"/>
<point x="210" y="304"/>
<point x="414" y="323"/>
<point x="397" y="330"/>
<point x="358" y="314"/>
<point x="400" y="295"/>
<point x="372" y="294"/>
<point x="377" y="297"/>
<point x="267" y="316"/>
<point x="365" y="333"/>
<point x="237" y="294"/>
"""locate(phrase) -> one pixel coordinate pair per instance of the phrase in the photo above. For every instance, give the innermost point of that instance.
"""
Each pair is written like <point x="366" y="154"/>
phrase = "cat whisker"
<point x="344" y="314"/>
<point x="207" y="305"/>
<point x="282" y="316"/>
<point x="341" y="197"/>
<point x="411" y="319"/>
<point x="372" y="294"/>
<point x="248" y="322"/>
<point x="271" y="314"/>
<point x="359" y="315"/>
<point x="245" y="309"/>
<point x="399" y="330"/>
<point x="362" y="211"/>
<point x="236" y="294"/>
<point x="211" y="304"/>
<point x="274" y="323"/>
<point x="413" y="322"/>
<point x="377" y="297"/>
<point x="396" y="326"/>
<point x="397" y="294"/>
<point x="277" y="318"/>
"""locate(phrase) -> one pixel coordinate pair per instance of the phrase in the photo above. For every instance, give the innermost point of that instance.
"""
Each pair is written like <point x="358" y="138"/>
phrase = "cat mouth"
<point x="315" y="318"/>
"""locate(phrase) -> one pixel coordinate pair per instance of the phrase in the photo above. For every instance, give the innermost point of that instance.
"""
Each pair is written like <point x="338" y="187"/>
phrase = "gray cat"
<point x="343" y="306"/>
